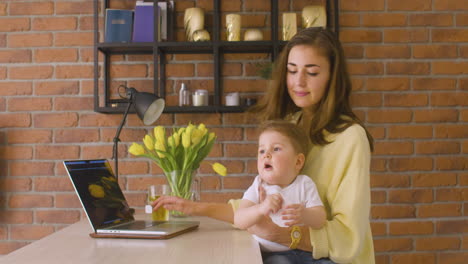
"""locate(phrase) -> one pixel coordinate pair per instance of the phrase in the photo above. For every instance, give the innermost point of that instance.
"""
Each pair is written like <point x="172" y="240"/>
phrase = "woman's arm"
<point x="219" y="211"/>
<point x="270" y="231"/>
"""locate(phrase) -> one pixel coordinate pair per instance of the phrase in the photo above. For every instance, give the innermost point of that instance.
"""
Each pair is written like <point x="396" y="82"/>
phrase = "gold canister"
<point x="289" y="25"/>
<point x="314" y="16"/>
<point x="194" y="20"/>
<point x="233" y="27"/>
<point x="201" y="35"/>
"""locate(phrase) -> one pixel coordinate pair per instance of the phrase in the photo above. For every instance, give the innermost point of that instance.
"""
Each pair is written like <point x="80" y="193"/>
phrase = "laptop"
<point x="107" y="209"/>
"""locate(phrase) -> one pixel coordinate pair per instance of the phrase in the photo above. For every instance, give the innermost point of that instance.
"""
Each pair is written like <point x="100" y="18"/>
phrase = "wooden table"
<point x="213" y="242"/>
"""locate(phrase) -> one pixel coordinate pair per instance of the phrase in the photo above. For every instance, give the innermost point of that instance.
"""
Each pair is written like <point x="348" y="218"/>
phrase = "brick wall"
<point x="409" y="63"/>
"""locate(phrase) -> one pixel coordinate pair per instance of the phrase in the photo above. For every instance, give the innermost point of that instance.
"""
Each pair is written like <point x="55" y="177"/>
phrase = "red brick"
<point x="15" y="56"/>
<point x="78" y="8"/>
<point x="393" y="244"/>
<point x="436" y="115"/>
<point x="410" y="196"/>
<point x="16" y="152"/>
<point x="388" y="116"/>
<point x="70" y="104"/>
<point x="33" y="232"/>
<point x="387" y="52"/>
<point x="21" y="136"/>
<point x="383" y="20"/>
<point x="31" y="168"/>
<point x="29" y="104"/>
<point x="431" y="19"/>
<point x="449" y="67"/>
<point x="377" y="165"/>
<point x="57" y="216"/>
<point x="30" y="201"/>
<point x="96" y="152"/>
<point x="56" y="120"/>
<point x="34" y="8"/>
<point x="408" y="68"/>
<point x="360" y="36"/>
<point x="451" y="131"/>
<point x="366" y="68"/>
<point x="453" y="257"/>
<point x="409" y="131"/>
<point x="411" y="164"/>
<point x="56" y="87"/>
<point x="379" y="228"/>
<point x="452" y="227"/>
<point x="15" y="88"/>
<point x="241" y="150"/>
<point x="16" y="217"/>
<point x="450" y="35"/>
<point x="15" y="120"/>
<point x="353" y="52"/>
<point x="434" y="51"/>
<point x="406" y="35"/>
<point x="451" y="163"/>
<point x="437" y="147"/>
<point x="416" y="5"/>
<point x="77" y="135"/>
<point x="411" y="228"/>
<point x="56" y="55"/>
<point x="239" y="85"/>
<point x="30" y="40"/>
<point x="99" y="120"/>
<point x="378" y="197"/>
<point x="13" y="24"/>
<point x="57" y="152"/>
<point x="15" y="185"/>
<point x="454" y="5"/>
<point x="363" y="5"/>
<point x="387" y="84"/>
<point x="54" y="23"/>
<point x="413" y="258"/>
<point x="434" y="179"/>
<point x="393" y="148"/>
<point x="451" y="194"/>
<point x="74" y="72"/>
<point x="405" y="99"/>
<point x="365" y="99"/>
<point x="439" y="210"/>
<point x="31" y="72"/>
<point x="67" y="201"/>
<point x="393" y="211"/>
<point x="74" y="39"/>
<point x="389" y="180"/>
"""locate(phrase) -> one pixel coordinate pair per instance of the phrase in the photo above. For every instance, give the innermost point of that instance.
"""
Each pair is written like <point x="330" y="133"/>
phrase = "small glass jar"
<point x="200" y="98"/>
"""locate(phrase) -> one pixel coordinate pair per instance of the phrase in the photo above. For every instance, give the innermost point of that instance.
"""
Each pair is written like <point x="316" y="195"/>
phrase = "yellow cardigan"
<point x="340" y="171"/>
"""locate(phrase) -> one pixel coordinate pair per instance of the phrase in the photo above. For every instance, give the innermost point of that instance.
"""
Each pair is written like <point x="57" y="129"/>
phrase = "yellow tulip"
<point x="186" y="139"/>
<point x="220" y="169"/>
<point x="136" y="149"/>
<point x="96" y="191"/>
<point x="196" y="136"/>
<point x="211" y="136"/>
<point x="160" y="146"/>
<point x="160" y="133"/>
<point x="149" y="143"/>
<point x="202" y="128"/>
<point x="176" y="137"/>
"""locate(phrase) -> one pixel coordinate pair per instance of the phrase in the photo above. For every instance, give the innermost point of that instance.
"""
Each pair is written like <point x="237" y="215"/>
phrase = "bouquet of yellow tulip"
<point x="179" y="154"/>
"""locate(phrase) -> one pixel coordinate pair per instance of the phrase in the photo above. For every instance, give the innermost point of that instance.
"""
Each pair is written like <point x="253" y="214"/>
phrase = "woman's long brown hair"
<point x="334" y="113"/>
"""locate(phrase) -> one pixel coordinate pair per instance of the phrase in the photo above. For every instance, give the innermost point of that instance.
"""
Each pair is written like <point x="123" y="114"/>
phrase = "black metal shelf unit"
<point x="160" y="49"/>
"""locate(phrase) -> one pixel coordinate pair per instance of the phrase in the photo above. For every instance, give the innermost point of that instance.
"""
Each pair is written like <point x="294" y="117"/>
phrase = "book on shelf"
<point x="143" y="24"/>
<point x="118" y="25"/>
<point x="171" y="20"/>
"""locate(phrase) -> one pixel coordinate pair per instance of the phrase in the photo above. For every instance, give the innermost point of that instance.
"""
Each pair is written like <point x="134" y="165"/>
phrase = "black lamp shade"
<point x="148" y="107"/>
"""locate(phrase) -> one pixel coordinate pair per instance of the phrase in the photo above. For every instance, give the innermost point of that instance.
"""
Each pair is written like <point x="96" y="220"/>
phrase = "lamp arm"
<point x="115" y="152"/>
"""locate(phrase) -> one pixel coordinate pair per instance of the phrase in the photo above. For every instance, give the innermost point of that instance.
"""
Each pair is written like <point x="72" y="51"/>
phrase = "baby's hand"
<point x="294" y="213"/>
<point x="271" y="204"/>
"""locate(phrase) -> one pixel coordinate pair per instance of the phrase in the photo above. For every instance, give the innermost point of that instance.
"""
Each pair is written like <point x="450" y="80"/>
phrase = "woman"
<point x="312" y="88"/>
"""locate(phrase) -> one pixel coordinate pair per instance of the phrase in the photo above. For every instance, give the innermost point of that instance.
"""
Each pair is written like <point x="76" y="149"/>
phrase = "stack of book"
<point x="138" y="25"/>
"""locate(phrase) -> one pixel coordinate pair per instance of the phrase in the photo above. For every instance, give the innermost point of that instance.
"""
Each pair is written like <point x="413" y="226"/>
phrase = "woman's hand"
<point x="174" y="203"/>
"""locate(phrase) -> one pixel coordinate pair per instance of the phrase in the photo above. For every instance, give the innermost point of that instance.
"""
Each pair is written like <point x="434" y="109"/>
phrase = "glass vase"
<point x="184" y="184"/>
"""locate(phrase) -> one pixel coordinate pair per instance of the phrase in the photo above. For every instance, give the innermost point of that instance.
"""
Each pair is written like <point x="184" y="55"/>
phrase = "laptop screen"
<point x="98" y="192"/>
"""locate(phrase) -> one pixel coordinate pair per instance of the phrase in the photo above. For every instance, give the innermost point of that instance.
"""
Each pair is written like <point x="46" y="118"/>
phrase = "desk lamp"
<point x="148" y="108"/>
